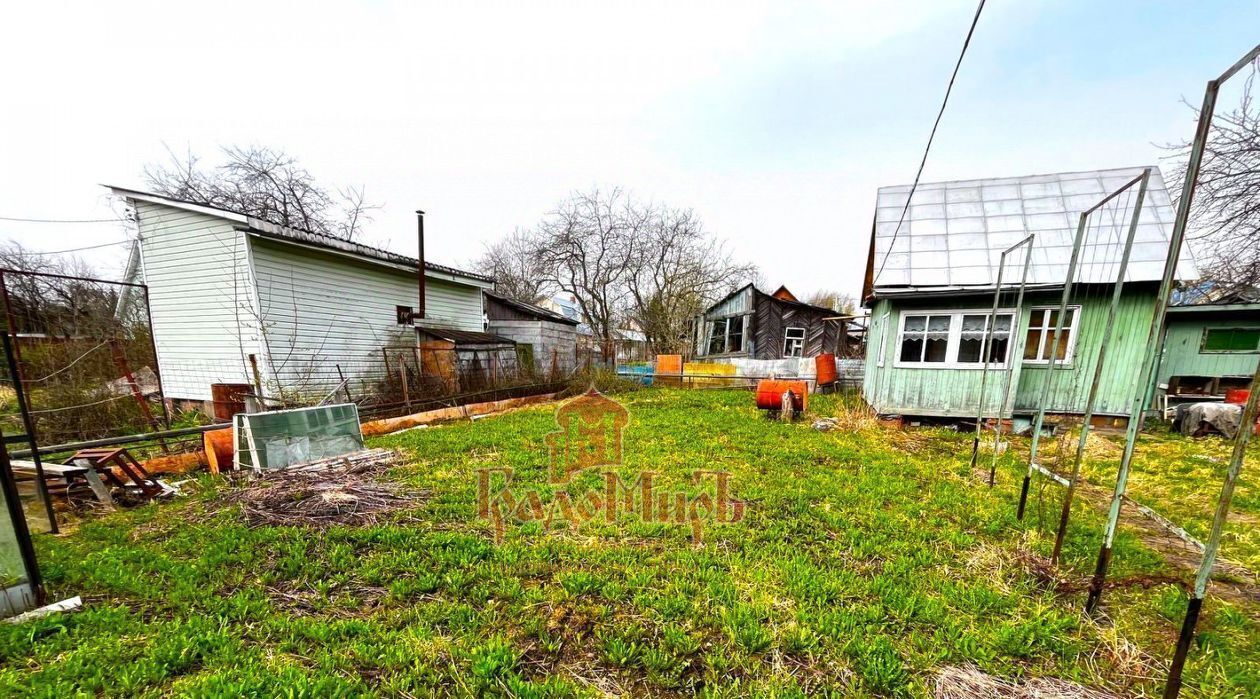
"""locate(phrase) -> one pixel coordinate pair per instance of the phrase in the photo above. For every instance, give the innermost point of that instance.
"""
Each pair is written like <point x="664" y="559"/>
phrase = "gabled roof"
<point x="784" y="293"/>
<point x="530" y="309"/>
<point x="267" y="229"/>
<point x="954" y="233"/>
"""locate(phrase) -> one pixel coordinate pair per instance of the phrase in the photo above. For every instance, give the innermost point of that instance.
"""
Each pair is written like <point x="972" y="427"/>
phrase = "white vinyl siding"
<point x="194" y="265"/>
<point x="321" y="309"/>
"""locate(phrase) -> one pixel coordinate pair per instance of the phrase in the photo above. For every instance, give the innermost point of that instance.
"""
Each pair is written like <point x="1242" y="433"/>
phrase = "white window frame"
<point x="1047" y="336"/>
<point x="800" y="341"/>
<point x="883" y="334"/>
<point x="954" y="342"/>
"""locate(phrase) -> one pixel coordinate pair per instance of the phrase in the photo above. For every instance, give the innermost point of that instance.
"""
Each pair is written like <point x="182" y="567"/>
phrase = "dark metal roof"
<point x="274" y="231"/>
<point x="530" y="309"/>
<point x="465" y="337"/>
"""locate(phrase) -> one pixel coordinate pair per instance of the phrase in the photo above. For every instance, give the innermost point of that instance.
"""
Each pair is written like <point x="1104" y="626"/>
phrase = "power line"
<point x="931" y="136"/>
<point x="61" y="220"/>
<point x="37" y="253"/>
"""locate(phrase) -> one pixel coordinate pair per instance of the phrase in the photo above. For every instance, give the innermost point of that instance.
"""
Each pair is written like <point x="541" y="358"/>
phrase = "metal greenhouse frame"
<point x="1145" y="389"/>
<point x="1015" y="350"/>
<point x="1052" y="360"/>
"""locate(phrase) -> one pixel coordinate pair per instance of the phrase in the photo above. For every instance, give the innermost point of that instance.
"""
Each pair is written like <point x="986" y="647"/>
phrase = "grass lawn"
<point x="867" y="560"/>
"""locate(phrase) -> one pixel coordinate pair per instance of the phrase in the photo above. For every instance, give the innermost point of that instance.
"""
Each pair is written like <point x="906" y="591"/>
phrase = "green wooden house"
<point x="932" y="268"/>
<point x="1209" y="349"/>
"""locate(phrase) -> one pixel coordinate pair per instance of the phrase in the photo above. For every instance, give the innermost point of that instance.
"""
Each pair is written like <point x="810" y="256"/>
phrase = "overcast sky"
<point x="775" y="121"/>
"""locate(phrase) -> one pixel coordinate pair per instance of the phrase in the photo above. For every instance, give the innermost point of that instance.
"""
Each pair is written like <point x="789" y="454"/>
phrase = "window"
<point x="794" y="342"/>
<point x="1231" y="340"/>
<point x="954" y="339"/>
<point x="404" y="314"/>
<point x="974" y="334"/>
<point x="726" y="335"/>
<point x="925" y="338"/>
<point x="1040" y="339"/>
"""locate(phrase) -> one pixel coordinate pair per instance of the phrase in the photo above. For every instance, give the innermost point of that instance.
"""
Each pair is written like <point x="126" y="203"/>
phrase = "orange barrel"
<point x="825" y="369"/>
<point x="219" y="449"/>
<point x="1237" y="395"/>
<point x="770" y="394"/>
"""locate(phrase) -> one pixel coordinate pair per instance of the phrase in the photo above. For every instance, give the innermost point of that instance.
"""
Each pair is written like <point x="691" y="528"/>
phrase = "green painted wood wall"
<point x="1183" y="342"/>
<point x="956" y="392"/>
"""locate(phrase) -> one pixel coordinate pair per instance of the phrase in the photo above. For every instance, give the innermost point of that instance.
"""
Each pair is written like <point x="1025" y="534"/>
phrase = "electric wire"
<point x="931" y="136"/>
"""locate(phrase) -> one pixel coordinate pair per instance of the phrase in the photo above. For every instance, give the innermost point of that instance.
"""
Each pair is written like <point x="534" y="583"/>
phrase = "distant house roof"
<point x="267" y="229"/>
<point x="530" y="309"/>
<point x="954" y="233"/>
<point x="783" y="293"/>
<point x="1209" y="291"/>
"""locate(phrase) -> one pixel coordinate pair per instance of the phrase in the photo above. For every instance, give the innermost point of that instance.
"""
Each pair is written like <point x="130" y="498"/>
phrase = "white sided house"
<point x="229" y="292"/>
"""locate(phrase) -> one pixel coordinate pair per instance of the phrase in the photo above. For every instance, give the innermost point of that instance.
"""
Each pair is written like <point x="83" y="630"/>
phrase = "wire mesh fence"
<point x="84" y="356"/>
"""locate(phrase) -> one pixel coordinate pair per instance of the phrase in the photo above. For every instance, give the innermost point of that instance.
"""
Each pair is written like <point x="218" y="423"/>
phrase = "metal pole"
<point x="157" y="369"/>
<point x="1054" y="353"/>
<point x="28" y="422"/>
<point x="1155" y="336"/>
<point x="21" y="532"/>
<point x="420" y="280"/>
<point x="1092" y="398"/>
<point x="1213" y="543"/>
<point x="1016" y="355"/>
<point x="985" y="341"/>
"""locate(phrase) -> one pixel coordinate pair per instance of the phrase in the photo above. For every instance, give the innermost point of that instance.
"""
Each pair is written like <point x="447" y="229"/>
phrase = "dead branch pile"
<point x="344" y="491"/>
<point x="969" y="682"/>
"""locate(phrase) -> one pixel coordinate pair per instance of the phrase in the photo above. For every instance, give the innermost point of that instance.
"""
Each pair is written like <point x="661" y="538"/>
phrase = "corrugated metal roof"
<point x="531" y="309"/>
<point x="954" y="233"/>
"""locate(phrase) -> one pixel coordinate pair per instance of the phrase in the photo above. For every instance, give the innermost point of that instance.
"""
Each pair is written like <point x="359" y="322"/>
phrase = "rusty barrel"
<point x="770" y="393"/>
<point x="825" y="369"/>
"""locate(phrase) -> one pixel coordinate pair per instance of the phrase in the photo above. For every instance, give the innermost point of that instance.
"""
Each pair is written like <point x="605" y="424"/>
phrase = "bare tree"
<point x="266" y="184"/>
<point x="1225" y="213"/>
<point x="516" y="266"/>
<point x="679" y="271"/>
<point x="586" y="246"/>
<point x="841" y="303"/>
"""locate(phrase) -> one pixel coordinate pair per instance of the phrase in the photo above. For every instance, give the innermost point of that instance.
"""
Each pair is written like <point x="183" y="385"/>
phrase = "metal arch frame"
<point x="1092" y="398"/>
<point x="1052" y="360"/>
<point x="1017" y="354"/>
<point x="1012" y="356"/>
<point x="1155" y="341"/>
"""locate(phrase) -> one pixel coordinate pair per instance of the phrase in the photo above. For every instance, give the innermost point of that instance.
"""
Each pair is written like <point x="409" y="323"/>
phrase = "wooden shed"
<point x="1209" y="349"/>
<point x="751" y="323"/>
<point x="544" y="339"/>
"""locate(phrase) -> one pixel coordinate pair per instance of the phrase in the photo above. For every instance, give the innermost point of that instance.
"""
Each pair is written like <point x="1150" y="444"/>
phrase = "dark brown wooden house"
<point x="751" y="323"/>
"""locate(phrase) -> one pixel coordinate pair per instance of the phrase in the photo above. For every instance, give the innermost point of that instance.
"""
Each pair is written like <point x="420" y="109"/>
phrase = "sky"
<point x="775" y="121"/>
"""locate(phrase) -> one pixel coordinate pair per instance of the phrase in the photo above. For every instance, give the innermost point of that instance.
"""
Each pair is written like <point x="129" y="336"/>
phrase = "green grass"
<point x="867" y="559"/>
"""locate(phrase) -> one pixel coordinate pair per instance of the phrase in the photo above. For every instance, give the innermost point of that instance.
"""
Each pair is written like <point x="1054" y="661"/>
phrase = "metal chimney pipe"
<point x="419" y="313"/>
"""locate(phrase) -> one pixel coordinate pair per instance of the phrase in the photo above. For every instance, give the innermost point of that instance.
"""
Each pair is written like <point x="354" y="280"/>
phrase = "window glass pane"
<point x="974" y="323"/>
<point x="939" y="324"/>
<point x="735" y="334"/>
<point x="997" y="351"/>
<point x="1032" y="345"/>
<point x="717" y="337"/>
<point x="1231" y="340"/>
<point x="916" y="322"/>
<point x="911" y="349"/>
<point x="1064" y="343"/>
<point x="969" y="348"/>
<point x="936" y="349"/>
<point x="1002" y="322"/>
